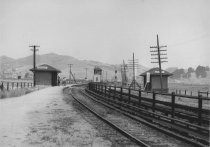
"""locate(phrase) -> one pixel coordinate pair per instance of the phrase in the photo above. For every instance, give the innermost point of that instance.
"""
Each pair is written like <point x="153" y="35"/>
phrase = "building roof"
<point x="155" y="71"/>
<point x="45" y="67"/>
<point x="97" y="68"/>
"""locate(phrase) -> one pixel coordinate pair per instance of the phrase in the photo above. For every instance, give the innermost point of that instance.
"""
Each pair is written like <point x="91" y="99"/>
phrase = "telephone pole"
<point x="106" y="76"/>
<point x="158" y="52"/>
<point x="86" y="73"/>
<point x="70" y="72"/>
<point x="34" y="60"/>
<point x="133" y="64"/>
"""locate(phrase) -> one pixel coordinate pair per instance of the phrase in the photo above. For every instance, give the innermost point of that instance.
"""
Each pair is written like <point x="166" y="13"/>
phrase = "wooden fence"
<point x="198" y="112"/>
<point x="14" y="85"/>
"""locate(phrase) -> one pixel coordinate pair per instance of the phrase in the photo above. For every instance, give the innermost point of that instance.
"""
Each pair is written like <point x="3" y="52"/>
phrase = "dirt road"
<point x="43" y="118"/>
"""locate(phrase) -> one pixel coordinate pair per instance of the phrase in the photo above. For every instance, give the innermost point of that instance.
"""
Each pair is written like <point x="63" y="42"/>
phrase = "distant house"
<point x="152" y="80"/>
<point x="46" y="75"/>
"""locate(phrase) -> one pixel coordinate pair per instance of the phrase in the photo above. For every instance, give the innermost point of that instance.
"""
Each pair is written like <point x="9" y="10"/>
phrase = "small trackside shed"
<point x="46" y="75"/>
<point x="153" y="83"/>
<point x="97" y="77"/>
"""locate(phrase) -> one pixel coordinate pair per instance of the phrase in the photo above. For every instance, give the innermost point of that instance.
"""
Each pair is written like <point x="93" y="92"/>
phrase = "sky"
<point x="108" y="30"/>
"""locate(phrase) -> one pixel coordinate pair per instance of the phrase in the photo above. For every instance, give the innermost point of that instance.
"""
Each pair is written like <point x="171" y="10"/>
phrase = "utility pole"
<point x="158" y="53"/>
<point x="106" y="76"/>
<point x="70" y="72"/>
<point x="34" y="60"/>
<point x="86" y="73"/>
<point x="134" y="79"/>
<point x="115" y="76"/>
<point x="124" y="74"/>
<point x="133" y="64"/>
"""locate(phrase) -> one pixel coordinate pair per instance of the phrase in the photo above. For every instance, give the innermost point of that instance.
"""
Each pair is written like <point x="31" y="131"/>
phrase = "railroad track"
<point x="152" y="122"/>
<point x="130" y="141"/>
<point x="134" y="134"/>
<point x="179" y="128"/>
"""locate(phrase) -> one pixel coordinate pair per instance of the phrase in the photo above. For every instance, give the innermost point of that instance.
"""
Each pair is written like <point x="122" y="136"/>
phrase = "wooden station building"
<point x="46" y="75"/>
<point x="152" y="80"/>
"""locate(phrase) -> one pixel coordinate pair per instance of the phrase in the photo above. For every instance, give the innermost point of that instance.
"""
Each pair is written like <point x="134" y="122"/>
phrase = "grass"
<point x="194" y="88"/>
<point x="15" y="92"/>
<point x="19" y="91"/>
<point x="189" y="87"/>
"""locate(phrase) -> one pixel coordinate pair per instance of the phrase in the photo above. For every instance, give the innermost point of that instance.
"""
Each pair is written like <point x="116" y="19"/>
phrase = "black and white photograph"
<point x="104" y="73"/>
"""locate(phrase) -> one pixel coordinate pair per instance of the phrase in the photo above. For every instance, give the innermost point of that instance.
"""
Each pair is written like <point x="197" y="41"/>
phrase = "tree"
<point x="189" y="71"/>
<point x="178" y="73"/>
<point x="26" y="75"/>
<point x="200" y="71"/>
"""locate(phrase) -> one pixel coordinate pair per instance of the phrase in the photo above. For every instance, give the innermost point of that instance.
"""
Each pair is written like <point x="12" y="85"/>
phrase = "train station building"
<point x="46" y="75"/>
<point x="152" y="80"/>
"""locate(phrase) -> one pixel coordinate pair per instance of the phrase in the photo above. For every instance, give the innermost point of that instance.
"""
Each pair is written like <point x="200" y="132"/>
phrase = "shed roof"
<point x="45" y="67"/>
<point x="97" y="68"/>
<point x="155" y="71"/>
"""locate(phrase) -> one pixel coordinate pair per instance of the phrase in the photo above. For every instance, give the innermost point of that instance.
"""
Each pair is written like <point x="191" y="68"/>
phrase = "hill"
<point x="22" y="65"/>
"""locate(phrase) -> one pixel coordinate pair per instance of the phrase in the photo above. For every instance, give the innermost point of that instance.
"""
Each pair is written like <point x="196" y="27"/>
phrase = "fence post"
<point x="114" y="96"/>
<point x="121" y="91"/>
<point x="12" y="85"/>
<point x="109" y="91"/>
<point x="153" y="101"/>
<point x="95" y="87"/>
<point x="185" y="92"/>
<point x="105" y="89"/>
<point x="7" y="86"/>
<point x="129" y="95"/>
<point x="2" y="86"/>
<point x="139" y="97"/>
<point x="102" y="88"/>
<point x="199" y="109"/>
<point x="21" y="85"/>
<point x="98" y="87"/>
<point x="180" y="92"/>
<point x="172" y="104"/>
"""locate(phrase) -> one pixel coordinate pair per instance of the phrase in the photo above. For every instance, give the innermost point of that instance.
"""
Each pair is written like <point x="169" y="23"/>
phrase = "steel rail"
<point x="195" y="143"/>
<point x="132" y="138"/>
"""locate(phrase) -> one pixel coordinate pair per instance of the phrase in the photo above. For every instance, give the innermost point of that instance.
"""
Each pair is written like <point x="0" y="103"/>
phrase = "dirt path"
<point x="43" y="118"/>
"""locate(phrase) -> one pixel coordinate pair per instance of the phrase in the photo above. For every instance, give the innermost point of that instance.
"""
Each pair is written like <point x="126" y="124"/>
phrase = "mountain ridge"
<point x="22" y="65"/>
